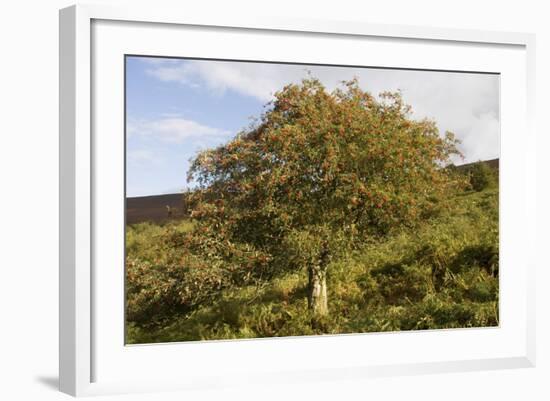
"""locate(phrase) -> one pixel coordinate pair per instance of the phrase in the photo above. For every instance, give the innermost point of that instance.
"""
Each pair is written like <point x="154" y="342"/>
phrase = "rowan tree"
<point x="319" y="173"/>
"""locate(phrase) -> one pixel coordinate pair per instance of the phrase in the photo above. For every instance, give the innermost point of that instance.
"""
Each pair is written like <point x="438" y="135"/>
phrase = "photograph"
<point x="270" y="199"/>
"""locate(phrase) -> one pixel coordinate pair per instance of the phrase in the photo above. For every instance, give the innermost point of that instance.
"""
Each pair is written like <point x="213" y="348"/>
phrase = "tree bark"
<point x="317" y="297"/>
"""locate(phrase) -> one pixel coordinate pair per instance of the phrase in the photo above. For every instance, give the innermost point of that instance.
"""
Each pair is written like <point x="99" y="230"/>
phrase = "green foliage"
<point x="385" y="285"/>
<point x="481" y="176"/>
<point x="172" y="270"/>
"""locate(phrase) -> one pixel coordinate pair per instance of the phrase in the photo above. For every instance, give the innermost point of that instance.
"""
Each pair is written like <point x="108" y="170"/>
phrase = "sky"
<point x="177" y="107"/>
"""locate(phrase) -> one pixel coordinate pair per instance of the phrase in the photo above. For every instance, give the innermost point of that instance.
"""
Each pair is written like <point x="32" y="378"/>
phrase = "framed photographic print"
<point x="279" y="200"/>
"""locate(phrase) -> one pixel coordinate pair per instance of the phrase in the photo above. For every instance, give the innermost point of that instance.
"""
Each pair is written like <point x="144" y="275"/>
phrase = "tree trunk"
<point x="317" y="297"/>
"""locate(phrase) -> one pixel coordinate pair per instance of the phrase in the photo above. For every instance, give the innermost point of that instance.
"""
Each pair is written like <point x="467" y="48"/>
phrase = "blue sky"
<point x="176" y="107"/>
<point x="168" y="123"/>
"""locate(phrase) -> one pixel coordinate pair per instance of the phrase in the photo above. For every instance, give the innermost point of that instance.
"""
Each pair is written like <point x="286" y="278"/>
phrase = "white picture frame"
<point x="81" y="344"/>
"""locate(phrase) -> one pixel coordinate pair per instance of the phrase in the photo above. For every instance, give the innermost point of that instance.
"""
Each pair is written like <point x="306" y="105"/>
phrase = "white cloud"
<point x="251" y="79"/>
<point x="466" y="104"/>
<point x="480" y="140"/>
<point x="174" y="130"/>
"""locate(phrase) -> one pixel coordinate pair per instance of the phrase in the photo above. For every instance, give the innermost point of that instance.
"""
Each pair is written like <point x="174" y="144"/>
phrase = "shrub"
<point x="481" y="176"/>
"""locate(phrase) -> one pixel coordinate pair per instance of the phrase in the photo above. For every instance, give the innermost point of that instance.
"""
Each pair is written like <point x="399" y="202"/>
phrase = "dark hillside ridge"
<point x="155" y="208"/>
<point x="494" y="163"/>
<point x="163" y="208"/>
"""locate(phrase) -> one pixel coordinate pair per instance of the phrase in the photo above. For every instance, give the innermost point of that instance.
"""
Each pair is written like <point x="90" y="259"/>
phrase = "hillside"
<point x="493" y="163"/>
<point x="154" y="209"/>
<point x="443" y="274"/>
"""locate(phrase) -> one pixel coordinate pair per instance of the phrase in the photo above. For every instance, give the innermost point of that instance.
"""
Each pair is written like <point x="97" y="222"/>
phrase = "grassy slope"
<point x="444" y="275"/>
